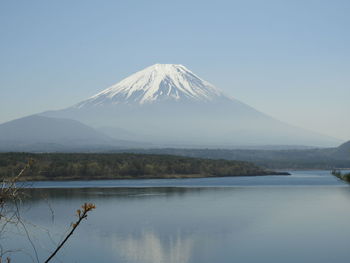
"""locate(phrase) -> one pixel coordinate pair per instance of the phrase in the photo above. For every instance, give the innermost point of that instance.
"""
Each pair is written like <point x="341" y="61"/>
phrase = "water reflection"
<point x="250" y="224"/>
<point x="150" y="248"/>
<point x="296" y="178"/>
<point x="40" y="194"/>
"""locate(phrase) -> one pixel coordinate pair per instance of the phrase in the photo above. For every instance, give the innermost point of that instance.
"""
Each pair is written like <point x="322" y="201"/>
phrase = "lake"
<point x="299" y="218"/>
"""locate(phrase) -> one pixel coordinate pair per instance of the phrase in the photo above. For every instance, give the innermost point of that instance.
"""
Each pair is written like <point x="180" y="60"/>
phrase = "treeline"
<point x="71" y="166"/>
<point x="342" y="176"/>
<point x="270" y="159"/>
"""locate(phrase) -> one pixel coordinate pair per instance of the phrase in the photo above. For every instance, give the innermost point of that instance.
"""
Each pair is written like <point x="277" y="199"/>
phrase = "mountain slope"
<point x="343" y="151"/>
<point x="169" y="105"/>
<point x="48" y="133"/>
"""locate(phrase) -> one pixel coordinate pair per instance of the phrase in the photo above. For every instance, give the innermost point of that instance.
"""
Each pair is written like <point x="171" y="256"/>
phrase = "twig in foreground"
<point x="81" y="215"/>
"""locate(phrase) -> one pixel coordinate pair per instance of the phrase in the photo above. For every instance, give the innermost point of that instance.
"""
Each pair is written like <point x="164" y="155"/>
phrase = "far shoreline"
<point x="184" y="176"/>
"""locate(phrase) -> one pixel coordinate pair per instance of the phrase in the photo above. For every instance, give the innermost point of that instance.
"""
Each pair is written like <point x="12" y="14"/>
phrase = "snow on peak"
<point x="158" y="82"/>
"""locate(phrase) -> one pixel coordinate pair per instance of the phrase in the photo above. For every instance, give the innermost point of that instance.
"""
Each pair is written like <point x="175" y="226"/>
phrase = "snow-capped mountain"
<point x="160" y="82"/>
<point x="167" y="104"/>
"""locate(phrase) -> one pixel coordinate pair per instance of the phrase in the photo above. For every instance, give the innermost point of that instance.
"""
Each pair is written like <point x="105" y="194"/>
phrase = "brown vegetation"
<point x="10" y="198"/>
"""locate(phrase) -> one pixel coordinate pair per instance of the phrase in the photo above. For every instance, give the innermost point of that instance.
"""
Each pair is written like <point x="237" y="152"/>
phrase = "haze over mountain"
<point x="169" y="105"/>
<point x="39" y="133"/>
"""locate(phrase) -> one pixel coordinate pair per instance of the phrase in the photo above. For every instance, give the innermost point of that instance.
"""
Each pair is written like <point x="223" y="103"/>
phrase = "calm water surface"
<point x="300" y="218"/>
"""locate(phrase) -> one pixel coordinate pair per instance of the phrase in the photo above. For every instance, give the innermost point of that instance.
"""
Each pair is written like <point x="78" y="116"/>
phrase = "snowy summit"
<point x="160" y="82"/>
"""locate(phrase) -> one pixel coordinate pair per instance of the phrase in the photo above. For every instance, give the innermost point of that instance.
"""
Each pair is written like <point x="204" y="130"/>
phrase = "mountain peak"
<point x="159" y="66"/>
<point x="159" y="82"/>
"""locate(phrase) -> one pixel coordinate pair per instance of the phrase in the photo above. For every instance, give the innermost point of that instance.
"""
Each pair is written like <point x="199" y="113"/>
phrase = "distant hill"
<point x="342" y="152"/>
<point x="39" y="133"/>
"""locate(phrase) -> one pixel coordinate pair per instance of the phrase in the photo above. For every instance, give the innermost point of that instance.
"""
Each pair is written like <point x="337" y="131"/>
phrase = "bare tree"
<point x="10" y="199"/>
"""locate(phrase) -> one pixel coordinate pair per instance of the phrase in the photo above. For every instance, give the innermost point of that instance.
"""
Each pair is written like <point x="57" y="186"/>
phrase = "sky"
<point x="288" y="59"/>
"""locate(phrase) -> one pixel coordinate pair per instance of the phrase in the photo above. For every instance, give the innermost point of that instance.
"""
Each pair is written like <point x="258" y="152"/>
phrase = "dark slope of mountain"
<point x="39" y="133"/>
<point x="169" y="105"/>
<point x="342" y="152"/>
<point x="39" y="128"/>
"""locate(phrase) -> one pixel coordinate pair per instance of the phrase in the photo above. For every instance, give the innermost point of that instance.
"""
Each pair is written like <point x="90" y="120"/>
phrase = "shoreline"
<point x="192" y="176"/>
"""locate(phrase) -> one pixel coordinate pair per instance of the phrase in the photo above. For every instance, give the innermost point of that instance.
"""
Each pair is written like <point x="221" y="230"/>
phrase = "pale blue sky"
<point x="289" y="59"/>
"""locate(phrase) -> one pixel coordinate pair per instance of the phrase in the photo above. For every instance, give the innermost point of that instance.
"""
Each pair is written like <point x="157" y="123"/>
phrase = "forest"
<point x="341" y="175"/>
<point x="316" y="158"/>
<point x="88" y="166"/>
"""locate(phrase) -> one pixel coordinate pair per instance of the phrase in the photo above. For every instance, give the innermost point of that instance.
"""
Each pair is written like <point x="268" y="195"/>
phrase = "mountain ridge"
<point x="41" y="133"/>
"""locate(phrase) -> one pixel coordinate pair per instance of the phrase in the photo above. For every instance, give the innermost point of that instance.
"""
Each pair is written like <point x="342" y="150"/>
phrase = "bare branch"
<point x="81" y="215"/>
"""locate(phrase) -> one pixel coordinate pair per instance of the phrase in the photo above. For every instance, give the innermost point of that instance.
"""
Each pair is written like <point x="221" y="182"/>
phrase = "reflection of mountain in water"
<point x="150" y="248"/>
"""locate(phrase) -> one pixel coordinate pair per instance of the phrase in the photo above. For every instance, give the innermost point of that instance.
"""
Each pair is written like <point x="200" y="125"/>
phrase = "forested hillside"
<point x="61" y="166"/>
<point x="323" y="158"/>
